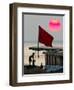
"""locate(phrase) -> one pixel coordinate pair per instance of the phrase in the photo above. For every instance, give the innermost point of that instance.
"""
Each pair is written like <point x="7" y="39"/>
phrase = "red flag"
<point x="44" y="37"/>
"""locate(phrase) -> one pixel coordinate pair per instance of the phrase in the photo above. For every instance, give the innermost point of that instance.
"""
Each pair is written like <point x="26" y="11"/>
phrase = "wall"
<point x="4" y="46"/>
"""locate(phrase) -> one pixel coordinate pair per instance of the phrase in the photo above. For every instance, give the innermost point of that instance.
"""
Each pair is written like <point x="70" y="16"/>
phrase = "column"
<point x="53" y="57"/>
<point x="61" y="60"/>
<point x="46" y="59"/>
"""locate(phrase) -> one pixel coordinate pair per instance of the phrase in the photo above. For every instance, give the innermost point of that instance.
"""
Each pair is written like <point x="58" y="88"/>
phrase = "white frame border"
<point x="42" y="77"/>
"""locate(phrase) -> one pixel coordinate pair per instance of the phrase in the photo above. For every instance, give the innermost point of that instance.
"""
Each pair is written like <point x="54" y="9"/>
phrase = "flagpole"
<point x="38" y="43"/>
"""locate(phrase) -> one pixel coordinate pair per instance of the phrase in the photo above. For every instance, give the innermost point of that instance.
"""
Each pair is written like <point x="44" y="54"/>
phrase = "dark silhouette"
<point x="31" y="58"/>
<point x="33" y="62"/>
<point x="41" y="66"/>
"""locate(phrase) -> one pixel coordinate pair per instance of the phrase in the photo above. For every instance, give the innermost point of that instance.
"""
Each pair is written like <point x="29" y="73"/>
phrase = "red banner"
<point x="44" y="37"/>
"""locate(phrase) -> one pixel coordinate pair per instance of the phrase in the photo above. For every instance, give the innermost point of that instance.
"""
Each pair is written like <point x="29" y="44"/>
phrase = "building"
<point x="54" y="57"/>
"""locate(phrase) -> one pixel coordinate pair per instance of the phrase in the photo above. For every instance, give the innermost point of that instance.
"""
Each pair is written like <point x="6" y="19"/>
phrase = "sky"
<point x="31" y="27"/>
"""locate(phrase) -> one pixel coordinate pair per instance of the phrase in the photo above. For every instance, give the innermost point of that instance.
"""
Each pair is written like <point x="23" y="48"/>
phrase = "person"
<point x="33" y="62"/>
<point x="41" y="66"/>
<point x="31" y="58"/>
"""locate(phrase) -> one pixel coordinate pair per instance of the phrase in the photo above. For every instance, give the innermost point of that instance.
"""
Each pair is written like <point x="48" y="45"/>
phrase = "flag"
<point x="44" y="37"/>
